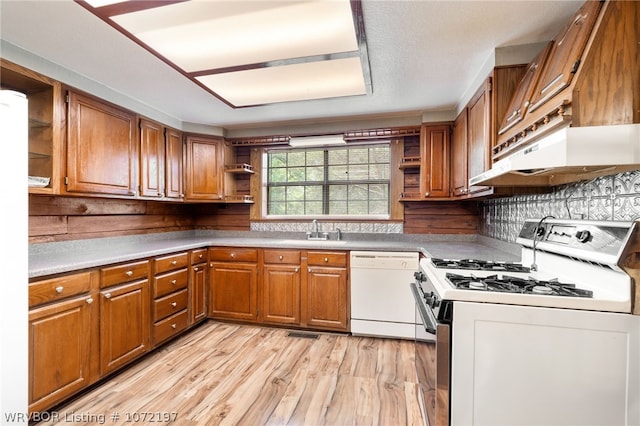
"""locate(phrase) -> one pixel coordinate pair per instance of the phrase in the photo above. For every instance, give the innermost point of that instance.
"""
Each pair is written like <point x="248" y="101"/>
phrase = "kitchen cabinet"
<point x="160" y="161"/>
<point x="45" y="110"/>
<point x="198" y="285"/>
<point x="204" y="168"/>
<point x="479" y="136"/>
<point x="326" y="301"/>
<point x="124" y="314"/>
<point x="62" y="338"/>
<point x="170" y="296"/>
<point x="233" y="283"/>
<point x="102" y="153"/>
<point x="459" y="174"/>
<point x="435" y="151"/>
<point x="281" y="283"/>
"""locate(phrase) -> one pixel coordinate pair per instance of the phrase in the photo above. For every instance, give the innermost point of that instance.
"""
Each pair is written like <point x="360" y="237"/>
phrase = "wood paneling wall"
<point x="224" y="217"/>
<point x="441" y="217"/>
<point x="73" y="218"/>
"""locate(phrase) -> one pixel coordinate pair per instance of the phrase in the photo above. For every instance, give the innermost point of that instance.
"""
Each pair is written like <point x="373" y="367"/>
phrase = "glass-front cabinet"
<point x="45" y="118"/>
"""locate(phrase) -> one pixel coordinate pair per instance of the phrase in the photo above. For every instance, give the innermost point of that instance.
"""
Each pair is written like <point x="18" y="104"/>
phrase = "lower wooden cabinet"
<point x="170" y="296"/>
<point x="62" y="338"/>
<point x="326" y="304"/>
<point x="198" y="286"/>
<point x="233" y="284"/>
<point x="281" y="281"/>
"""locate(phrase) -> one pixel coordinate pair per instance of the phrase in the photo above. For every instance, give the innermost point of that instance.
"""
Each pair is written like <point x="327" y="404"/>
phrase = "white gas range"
<point x="550" y="340"/>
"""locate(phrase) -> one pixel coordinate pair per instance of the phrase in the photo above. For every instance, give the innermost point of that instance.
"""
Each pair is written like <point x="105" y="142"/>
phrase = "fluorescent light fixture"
<point x="252" y="53"/>
<point x="312" y="141"/>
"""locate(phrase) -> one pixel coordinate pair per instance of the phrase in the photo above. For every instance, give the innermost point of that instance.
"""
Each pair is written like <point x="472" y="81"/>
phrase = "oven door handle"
<point x="428" y="319"/>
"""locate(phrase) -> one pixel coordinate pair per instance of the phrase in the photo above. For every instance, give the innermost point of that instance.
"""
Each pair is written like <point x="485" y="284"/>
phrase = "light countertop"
<point x="54" y="258"/>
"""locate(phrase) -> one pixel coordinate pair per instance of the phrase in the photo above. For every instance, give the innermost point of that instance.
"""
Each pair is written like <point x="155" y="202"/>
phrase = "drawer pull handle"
<point x="173" y="326"/>
<point x="174" y="282"/>
<point x="174" y="262"/>
<point x="128" y="273"/>
<point x="326" y="259"/>
<point x="59" y="289"/>
<point x="174" y="304"/>
<point x="89" y="301"/>
<point x="107" y="296"/>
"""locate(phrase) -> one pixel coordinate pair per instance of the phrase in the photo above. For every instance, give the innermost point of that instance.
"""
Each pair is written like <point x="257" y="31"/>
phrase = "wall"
<point x="615" y="197"/>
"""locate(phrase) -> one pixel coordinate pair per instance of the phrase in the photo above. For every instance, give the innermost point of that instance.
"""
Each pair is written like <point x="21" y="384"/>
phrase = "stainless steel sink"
<point x="314" y="243"/>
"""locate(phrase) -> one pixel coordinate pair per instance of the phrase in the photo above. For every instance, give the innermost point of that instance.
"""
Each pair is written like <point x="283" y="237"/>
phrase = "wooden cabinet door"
<point x="564" y="56"/>
<point x="479" y="134"/>
<point x="281" y="294"/>
<point x="124" y="324"/>
<point x="233" y="291"/>
<point x="434" y="174"/>
<point x="459" y="177"/>
<point x="102" y="150"/>
<point x="326" y="301"/>
<point x="152" y="159"/>
<point x="521" y="98"/>
<point x="174" y="187"/>
<point x="198" y="289"/>
<point x="59" y="351"/>
<point x="203" y="169"/>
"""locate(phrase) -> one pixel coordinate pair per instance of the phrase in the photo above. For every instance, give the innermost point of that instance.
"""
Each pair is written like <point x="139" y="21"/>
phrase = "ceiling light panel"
<point x="203" y="35"/>
<point x="310" y="80"/>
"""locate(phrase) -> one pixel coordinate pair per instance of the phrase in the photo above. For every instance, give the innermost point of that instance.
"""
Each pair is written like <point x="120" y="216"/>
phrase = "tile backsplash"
<point x="614" y="197"/>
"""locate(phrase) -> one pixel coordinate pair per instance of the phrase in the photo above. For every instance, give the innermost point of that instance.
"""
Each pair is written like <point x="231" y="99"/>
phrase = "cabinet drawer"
<point x="168" y="283"/>
<point x="327" y="258"/>
<point x="233" y="254"/>
<point x="171" y="262"/>
<point x="169" y="327"/>
<point x="282" y="256"/>
<point x="124" y="273"/>
<point x="46" y="291"/>
<point x="170" y="304"/>
<point x="198" y="256"/>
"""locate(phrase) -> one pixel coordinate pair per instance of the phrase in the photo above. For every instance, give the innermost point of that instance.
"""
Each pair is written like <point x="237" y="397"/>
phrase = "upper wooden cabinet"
<point x="101" y="147"/>
<point x="479" y="133"/>
<point x="160" y="161"/>
<point x="459" y="176"/>
<point x="204" y="168"/>
<point x="589" y="75"/>
<point x="45" y="109"/>
<point x="435" y="148"/>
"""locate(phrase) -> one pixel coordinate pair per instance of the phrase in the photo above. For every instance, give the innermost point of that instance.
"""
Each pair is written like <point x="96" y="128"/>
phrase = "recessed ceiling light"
<point x="252" y="52"/>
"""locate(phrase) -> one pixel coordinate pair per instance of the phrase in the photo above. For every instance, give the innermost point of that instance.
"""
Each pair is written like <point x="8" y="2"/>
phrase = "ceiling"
<point x="424" y="56"/>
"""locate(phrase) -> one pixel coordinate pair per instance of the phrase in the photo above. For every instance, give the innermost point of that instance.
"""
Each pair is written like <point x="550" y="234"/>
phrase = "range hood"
<point x="569" y="154"/>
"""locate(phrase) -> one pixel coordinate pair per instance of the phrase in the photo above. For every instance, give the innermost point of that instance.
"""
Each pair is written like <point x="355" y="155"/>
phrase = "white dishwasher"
<point x="381" y="301"/>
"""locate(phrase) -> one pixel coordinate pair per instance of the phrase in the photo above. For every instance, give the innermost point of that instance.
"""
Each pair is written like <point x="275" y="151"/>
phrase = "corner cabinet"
<point x="204" y="168"/>
<point x="102" y="154"/>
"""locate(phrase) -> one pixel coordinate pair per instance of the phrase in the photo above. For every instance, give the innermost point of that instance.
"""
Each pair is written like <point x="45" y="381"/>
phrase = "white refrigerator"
<point x="14" y="141"/>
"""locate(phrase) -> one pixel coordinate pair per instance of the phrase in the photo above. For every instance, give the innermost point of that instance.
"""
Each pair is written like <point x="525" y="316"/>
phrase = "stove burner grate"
<point x="479" y="265"/>
<point x="509" y="284"/>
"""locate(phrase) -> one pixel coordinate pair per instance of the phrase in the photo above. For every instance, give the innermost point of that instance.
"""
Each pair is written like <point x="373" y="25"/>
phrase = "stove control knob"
<point x="419" y="276"/>
<point x="583" y="236"/>
<point x="431" y="300"/>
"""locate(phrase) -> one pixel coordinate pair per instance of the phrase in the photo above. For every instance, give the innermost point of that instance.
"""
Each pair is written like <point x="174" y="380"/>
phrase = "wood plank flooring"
<point x="227" y="374"/>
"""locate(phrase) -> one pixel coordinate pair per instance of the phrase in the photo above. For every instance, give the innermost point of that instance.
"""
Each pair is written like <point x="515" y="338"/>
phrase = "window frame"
<point x="325" y="183"/>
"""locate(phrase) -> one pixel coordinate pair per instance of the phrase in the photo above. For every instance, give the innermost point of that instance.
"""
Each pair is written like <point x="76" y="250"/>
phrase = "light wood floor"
<point x="225" y="374"/>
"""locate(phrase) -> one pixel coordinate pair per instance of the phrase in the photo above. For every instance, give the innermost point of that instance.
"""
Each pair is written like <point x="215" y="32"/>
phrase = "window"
<point x="336" y="181"/>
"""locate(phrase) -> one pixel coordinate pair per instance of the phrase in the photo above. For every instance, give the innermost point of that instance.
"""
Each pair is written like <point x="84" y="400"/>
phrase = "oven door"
<point x="432" y="359"/>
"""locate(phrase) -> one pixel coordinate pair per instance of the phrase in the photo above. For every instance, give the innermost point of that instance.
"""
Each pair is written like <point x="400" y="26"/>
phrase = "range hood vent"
<point x="570" y="154"/>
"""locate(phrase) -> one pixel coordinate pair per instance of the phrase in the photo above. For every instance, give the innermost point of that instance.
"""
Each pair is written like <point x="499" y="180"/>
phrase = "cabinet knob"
<point x="128" y="273"/>
<point x="297" y="269"/>
<point x="326" y="259"/>
<point x="211" y="265"/>
<point x="59" y="289"/>
<point x="426" y="194"/>
<point x="174" y="262"/>
<point x="200" y="256"/>
<point x="89" y="301"/>
<point x="174" y="282"/>
<point x="195" y="268"/>
<point x="174" y="304"/>
<point x="233" y="255"/>
<point x="281" y="257"/>
<point x="107" y="296"/>
<point x="173" y="326"/>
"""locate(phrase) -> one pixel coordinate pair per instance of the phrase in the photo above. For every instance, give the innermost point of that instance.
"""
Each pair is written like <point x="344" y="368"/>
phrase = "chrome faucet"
<point x="315" y="233"/>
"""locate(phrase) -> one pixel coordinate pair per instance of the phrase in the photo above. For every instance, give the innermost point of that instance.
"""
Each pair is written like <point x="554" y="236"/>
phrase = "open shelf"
<point x="409" y="163"/>
<point x="239" y="168"/>
<point x="238" y="198"/>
